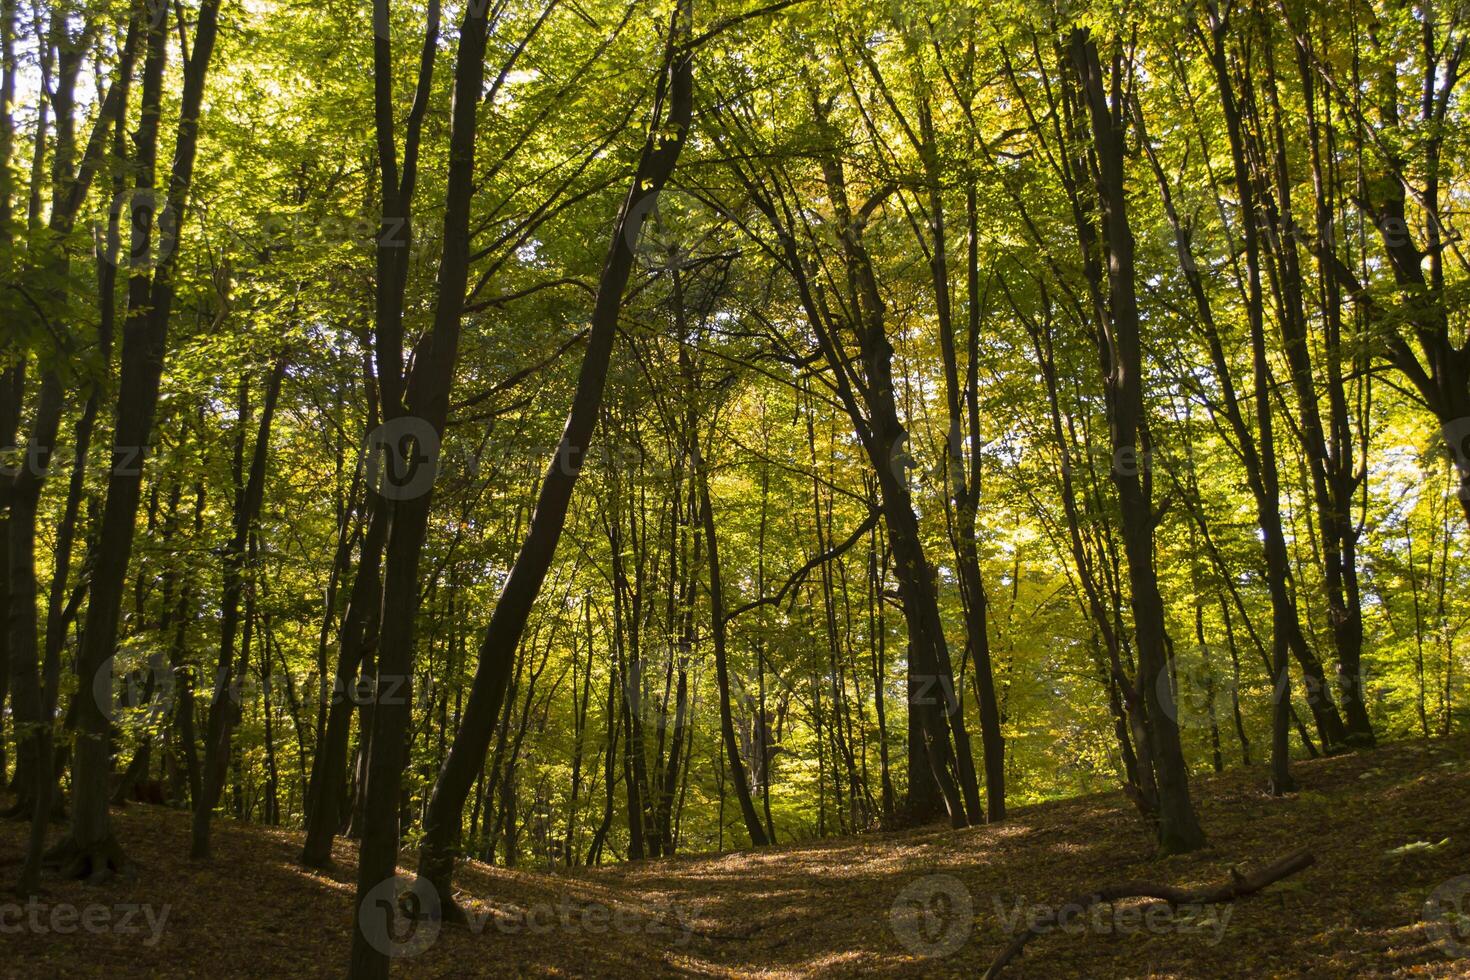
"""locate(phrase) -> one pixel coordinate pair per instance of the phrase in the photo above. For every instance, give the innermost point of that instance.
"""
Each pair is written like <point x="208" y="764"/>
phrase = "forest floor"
<point x="1390" y="830"/>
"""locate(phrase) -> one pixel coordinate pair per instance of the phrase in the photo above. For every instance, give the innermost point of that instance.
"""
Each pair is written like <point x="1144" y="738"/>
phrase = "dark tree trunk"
<point x="12" y="394"/>
<point x="936" y="700"/>
<point x="90" y="848"/>
<point x="24" y="648"/>
<point x="426" y="402"/>
<point x="753" y="825"/>
<point x="329" y="762"/>
<point x="609" y="769"/>
<point x="1122" y="361"/>
<point x="878" y="644"/>
<point x="581" y="696"/>
<point x="225" y="703"/>
<point x="668" y="130"/>
<point x="70" y="180"/>
<point x="963" y="500"/>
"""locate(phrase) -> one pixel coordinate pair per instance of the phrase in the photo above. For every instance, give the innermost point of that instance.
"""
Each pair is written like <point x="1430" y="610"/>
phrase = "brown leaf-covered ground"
<point x="929" y="902"/>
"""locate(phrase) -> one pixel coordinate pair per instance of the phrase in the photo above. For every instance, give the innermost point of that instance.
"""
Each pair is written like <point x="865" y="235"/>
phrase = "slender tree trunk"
<point x="667" y="133"/>
<point x="609" y="770"/>
<point x="1119" y="345"/>
<point x="70" y="180"/>
<point x="424" y="410"/>
<point x="963" y="498"/>
<point x="580" y="698"/>
<point x="753" y="825"/>
<point x="32" y="768"/>
<point x="878" y="644"/>
<point x="1334" y="456"/>
<point x="329" y="763"/>
<point x="225" y="703"/>
<point x="90" y="848"/>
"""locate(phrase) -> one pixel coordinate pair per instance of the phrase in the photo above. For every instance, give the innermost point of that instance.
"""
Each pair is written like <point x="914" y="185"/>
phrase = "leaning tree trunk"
<point x="667" y="133"/>
<point x="748" y="812"/>
<point x="72" y="179"/>
<point x="329" y="763"/>
<point x="90" y="848"/>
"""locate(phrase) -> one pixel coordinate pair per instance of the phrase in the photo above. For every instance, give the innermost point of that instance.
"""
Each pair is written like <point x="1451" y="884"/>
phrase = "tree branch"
<point x="1238" y="886"/>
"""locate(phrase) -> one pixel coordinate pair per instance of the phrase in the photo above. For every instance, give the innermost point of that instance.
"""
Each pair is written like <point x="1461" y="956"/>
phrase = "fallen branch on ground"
<point x="1237" y="886"/>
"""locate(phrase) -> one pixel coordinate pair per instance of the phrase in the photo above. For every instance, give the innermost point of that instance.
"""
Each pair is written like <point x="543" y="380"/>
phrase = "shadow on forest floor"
<point x="836" y="907"/>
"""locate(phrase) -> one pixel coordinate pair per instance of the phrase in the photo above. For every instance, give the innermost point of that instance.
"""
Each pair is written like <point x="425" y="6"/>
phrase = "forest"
<point x="456" y="447"/>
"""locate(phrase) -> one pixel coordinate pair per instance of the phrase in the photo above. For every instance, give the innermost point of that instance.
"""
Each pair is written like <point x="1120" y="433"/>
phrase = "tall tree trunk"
<point x="878" y="645"/>
<point x="1286" y="625"/>
<point x="1121" y="353"/>
<point x="885" y="439"/>
<point x="329" y="762"/>
<point x="1333" y="454"/>
<point x="667" y="133"/>
<point x="718" y="622"/>
<point x="24" y="651"/>
<point x="963" y="500"/>
<point x="70" y="180"/>
<point x="609" y="769"/>
<point x="581" y="695"/>
<point x="90" y="848"/>
<point x="12" y="382"/>
<point x="753" y="825"/>
<point x="225" y="702"/>
<point x="422" y="413"/>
